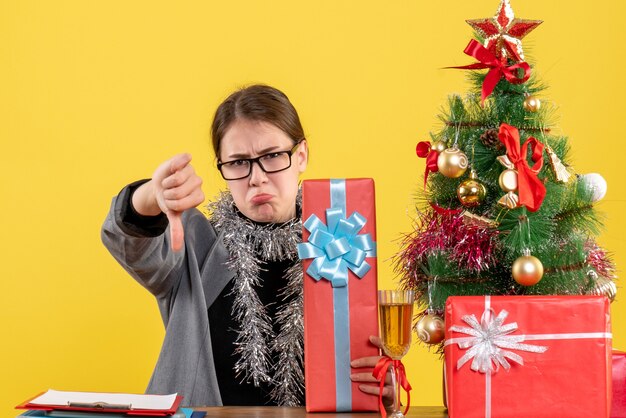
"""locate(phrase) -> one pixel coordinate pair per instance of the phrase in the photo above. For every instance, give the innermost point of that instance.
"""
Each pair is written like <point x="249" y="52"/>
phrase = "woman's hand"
<point x="366" y="377"/>
<point x="174" y="188"/>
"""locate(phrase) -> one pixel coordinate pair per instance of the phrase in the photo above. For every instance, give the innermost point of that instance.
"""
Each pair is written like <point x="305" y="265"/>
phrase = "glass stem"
<point x="395" y="383"/>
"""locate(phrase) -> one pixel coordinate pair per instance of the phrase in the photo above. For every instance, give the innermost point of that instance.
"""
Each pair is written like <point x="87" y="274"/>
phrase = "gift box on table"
<point x="618" y="407"/>
<point x="340" y="290"/>
<point x="528" y="356"/>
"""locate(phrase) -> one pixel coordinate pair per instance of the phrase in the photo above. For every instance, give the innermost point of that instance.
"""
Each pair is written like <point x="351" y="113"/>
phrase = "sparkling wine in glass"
<point x="395" y="308"/>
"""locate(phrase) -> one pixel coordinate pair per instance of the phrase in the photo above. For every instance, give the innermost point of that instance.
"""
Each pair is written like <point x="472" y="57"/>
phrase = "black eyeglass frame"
<point x="257" y="160"/>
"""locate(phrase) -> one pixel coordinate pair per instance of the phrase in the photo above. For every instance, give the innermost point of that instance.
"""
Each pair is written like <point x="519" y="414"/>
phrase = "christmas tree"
<point x="502" y="211"/>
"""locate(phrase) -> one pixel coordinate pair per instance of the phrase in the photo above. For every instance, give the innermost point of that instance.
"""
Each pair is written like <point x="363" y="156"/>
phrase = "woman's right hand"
<point x="174" y="188"/>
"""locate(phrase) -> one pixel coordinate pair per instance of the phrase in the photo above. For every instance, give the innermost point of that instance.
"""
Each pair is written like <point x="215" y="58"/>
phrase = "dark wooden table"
<point x="279" y="412"/>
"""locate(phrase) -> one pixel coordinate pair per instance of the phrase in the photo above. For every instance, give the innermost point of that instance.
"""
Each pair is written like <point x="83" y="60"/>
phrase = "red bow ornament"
<point x="530" y="188"/>
<point x="380" y="371"/>
<point x="498" y="68"/>
<point x="424" y="150"/>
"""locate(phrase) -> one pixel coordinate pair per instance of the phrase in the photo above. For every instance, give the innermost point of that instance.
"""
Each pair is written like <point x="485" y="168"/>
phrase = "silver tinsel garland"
<point x="249" y="245"/>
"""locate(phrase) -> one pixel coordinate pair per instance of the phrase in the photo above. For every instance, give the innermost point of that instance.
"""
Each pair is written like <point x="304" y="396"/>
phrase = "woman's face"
<point x="263" y="197"/>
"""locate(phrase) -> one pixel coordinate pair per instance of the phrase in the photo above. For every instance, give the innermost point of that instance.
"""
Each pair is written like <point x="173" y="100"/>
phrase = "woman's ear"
<point x="302" y="156"/>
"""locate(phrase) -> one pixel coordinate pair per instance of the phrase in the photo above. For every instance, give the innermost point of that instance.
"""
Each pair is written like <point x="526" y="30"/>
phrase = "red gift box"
<point x="528" y="356"/>
<point x="340" y="290"/>
<point x="618" y="406"/>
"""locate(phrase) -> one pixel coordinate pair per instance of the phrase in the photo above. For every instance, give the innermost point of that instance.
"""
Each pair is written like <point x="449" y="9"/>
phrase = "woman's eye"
<point x="237" y="163"/>
<point x="271" y="155"/>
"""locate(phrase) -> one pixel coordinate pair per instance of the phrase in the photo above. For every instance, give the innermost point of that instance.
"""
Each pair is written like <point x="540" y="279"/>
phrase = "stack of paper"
<point x="62" y="404"/>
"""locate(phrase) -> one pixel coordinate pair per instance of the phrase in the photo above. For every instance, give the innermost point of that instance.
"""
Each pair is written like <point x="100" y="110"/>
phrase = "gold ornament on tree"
<point x="603" y="286"/>
<point x="508" y="183"/>
<point x="559" y="170"/>
<point x="430" y="328"/>
<point x="508" y="180"/>
<point x="471" y="192"/>
<point x="527" y="270"/>
<point x="478" y="221"/>
<point x="438" y="146"/>
<point x="452" y="162"/>
<point x="532" y="104"/>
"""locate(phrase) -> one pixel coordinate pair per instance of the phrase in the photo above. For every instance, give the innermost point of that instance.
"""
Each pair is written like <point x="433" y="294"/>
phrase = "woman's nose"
<point x="257" y="175"/>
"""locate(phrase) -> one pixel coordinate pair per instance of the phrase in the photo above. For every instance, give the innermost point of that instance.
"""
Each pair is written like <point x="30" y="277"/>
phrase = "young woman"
<point x="229" y="288"/>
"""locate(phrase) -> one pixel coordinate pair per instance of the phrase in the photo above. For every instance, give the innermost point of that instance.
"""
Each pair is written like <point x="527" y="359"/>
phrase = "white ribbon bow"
<point x="488" y="339"/>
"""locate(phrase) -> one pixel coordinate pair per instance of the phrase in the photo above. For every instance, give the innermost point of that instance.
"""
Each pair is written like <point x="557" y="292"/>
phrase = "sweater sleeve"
<point x="141" y="244"/>
<point x="133" y="222"/>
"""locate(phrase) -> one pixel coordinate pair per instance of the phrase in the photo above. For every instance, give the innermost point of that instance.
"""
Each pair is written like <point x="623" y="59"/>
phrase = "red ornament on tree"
<point x="503" y="33"/>
<point x="531" y="189"/>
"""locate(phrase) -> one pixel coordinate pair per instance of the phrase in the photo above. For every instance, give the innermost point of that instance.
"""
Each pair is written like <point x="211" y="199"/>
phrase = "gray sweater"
<point x="185" y="285"/>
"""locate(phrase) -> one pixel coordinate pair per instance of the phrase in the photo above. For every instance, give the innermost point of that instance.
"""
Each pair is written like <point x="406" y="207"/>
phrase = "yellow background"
<point x="96" y="94"/>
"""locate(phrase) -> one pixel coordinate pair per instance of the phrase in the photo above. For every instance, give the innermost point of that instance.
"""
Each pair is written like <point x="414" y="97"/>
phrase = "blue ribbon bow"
<point x="337" y="247"/>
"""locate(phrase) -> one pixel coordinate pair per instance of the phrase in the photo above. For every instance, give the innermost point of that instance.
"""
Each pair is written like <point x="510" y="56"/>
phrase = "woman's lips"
<point x="261" y="198"/>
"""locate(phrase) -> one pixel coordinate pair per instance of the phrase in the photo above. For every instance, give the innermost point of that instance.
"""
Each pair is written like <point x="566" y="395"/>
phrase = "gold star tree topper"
<point x="503" y="33"/>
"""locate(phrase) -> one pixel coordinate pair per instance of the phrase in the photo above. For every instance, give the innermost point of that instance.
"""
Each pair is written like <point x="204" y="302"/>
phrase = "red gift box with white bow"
<point x="528" y="356"/>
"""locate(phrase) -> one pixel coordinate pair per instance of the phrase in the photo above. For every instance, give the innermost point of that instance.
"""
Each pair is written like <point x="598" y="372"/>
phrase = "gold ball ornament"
<point x="527" y="270"/>
<point x="508" y="180"/>
<point x="452" y="163"/>
<point x="603" y="286"/>
<point x="471" y="192"/>
<point x="430" y="329"/>
<point x="532" y="104"/>
<point x="438" y="146"/>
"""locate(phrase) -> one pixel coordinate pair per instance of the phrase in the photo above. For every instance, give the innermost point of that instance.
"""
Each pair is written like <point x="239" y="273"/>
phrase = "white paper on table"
<point x="57" y="397"/>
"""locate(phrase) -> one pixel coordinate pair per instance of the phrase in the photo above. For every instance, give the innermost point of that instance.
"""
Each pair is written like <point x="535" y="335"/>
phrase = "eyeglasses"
<point x="271" y="162"/>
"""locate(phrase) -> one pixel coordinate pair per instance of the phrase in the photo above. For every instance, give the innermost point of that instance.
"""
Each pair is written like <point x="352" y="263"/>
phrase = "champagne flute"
<point x="395" y="308"/>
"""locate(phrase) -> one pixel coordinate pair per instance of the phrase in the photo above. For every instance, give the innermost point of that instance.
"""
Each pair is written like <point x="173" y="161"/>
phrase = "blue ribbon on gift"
<point x="337" y="247"/>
